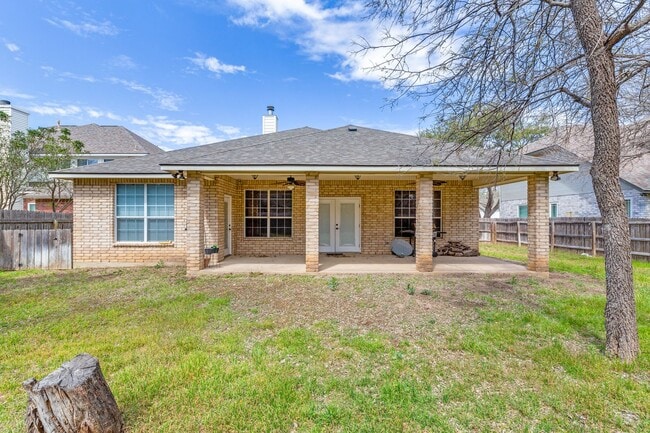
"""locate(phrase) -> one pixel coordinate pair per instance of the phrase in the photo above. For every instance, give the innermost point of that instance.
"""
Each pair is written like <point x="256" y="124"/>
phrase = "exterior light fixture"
<point x="254" y="177"/>
<point x="179" y="175"/>
<point x="555" y="176"/>
<point x="291" y="187"/>
<point x="462" y="176"/>
<point x="357" y="176"/>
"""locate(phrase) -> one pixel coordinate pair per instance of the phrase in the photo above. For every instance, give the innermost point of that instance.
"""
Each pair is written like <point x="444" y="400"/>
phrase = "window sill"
<point x="143" y="244"/>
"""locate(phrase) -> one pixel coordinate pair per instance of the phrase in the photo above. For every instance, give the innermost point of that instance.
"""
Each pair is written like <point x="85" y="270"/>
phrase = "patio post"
<point x="195" y="226"/>
<point x="312" y="206"/>
<point x="424" y="224"/>
<point x="538" y="220"/>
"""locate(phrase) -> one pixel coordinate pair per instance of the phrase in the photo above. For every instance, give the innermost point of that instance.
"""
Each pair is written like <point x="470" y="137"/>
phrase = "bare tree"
<point x="577" y="60"/>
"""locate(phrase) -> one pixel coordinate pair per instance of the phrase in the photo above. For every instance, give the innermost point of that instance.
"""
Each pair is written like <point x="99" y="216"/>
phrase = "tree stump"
<point x="74" y="398"/>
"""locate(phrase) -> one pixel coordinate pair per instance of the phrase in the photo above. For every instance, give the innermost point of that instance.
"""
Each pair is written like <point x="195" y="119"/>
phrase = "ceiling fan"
<point x="291" y="183"/>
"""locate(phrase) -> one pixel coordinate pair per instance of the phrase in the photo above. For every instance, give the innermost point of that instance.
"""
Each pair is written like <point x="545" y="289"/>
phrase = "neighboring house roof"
<point x="348" y="146"/>
<point x="111" y="140"/>
<point x="577" y="142"/>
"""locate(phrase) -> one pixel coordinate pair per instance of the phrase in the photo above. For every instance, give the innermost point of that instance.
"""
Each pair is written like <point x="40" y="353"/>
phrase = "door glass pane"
<point x="324" y="222"/>
<point x="347" y="226"/>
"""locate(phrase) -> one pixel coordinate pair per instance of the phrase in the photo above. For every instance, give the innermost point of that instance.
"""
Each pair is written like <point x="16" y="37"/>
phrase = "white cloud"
<point x="100" y="114"/>
<point x="52" y="109"/>
<point x="174" y="134"/>
<point x="230" y="131"/>
<point x="12" y="47"/>
<point x="86" y="28"/>
<point x="213" y="64"/>
<point x="166" y="100"/>
<point x="49" y="70"/>
<point x="323" y="31"/>
<point x="123" y="62"/>
<point x="11" y="93"/>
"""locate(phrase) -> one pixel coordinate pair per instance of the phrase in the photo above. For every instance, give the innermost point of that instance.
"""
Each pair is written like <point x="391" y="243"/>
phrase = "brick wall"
<point x="94" y="200"/>
<point x="94" y="227"/>
<point x="45" y="205"/>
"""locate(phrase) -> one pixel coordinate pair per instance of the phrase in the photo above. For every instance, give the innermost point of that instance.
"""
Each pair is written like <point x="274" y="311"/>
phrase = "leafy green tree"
<point x="52" y="149"/>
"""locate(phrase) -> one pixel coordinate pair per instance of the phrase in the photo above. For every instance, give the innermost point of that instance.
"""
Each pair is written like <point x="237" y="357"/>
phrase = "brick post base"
<point x="538" y="220"/>
<point x="424" y="225"/>
<point x="195" y="223"/>
<point x="312" y="206"/>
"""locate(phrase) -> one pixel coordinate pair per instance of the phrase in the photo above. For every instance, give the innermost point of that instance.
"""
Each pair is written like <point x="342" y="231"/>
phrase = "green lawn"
<point x="315" y="353"/>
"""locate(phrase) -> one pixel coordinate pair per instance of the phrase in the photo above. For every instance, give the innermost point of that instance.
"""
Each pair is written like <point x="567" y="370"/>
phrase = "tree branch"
<point x="624" y="28"/>
<point x="577" y="98"/>
<point x="558" y="3"/>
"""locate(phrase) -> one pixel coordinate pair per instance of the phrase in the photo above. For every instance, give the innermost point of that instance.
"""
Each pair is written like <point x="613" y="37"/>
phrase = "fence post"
<point x="593" y="238"/>
<point x="518" y="233"/>
<point x="552" y="235"/>
<point x="493" y="232"/>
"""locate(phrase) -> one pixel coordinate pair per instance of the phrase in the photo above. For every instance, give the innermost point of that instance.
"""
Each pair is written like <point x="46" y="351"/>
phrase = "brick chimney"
<point x="269" y="121"/>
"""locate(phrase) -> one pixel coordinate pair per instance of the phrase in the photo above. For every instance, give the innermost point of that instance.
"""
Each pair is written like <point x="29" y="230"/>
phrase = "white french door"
<point x="227" y="224"/>
<point x="339" y="225"/>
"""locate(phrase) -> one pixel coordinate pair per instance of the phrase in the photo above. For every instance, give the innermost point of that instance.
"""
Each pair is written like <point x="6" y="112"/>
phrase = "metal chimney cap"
<point x="4" y="102"/>
<point x="270" y="109"/>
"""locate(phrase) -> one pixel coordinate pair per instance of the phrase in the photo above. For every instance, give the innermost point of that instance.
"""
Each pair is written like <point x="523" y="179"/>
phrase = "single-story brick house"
<point x="297" y="192"/>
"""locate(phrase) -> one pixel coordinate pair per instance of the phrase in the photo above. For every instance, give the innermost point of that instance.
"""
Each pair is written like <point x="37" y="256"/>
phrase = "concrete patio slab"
<point x="363" y="264"/>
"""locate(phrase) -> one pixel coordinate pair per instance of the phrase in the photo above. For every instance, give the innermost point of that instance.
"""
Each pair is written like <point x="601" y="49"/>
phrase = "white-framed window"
<point x="268" y="213"/>
<point x="84" y="162"/>
<point x="553" y="210"/>
<point x="522" y="211"/>
<point x="144" y="212"/>
<point x="31" y="206"/>
<point x="405" y="212"/>
<point x="628" y="207"/>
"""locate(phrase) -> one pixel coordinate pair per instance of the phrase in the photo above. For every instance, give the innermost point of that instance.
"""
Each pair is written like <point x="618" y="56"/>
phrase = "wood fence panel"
<point x="574" y="234"/>
<point x="35" y="240"/>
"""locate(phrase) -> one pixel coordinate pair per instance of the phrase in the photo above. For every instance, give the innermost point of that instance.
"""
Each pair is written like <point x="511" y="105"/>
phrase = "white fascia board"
<point x="366" y="169"/>
<point x="108" y="176"/>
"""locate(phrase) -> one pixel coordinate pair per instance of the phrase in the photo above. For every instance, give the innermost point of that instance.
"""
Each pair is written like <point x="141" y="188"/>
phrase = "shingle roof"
<point x="109" y="139"/>
<point x="578" y="140"/>
<point x="345" y="147"/>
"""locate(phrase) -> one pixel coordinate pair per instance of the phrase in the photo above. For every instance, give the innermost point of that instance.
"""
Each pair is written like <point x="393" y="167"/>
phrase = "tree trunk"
<point x="622" y="339"/>
<point x="491" y="205"/>
<point x="73" y="399"/>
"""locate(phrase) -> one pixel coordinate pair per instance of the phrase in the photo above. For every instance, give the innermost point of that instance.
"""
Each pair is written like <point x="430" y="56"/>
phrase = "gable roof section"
<point x="111" y="140"/>
<point x="345" y="147"/>
<point x="578" y="140"/>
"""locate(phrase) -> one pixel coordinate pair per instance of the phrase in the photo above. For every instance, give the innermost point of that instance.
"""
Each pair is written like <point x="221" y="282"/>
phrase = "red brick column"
<point x="538" y="220"/>
<point x="195" y="222"/>
<point x="312" y="205"/>
<point x="424" y="224"/>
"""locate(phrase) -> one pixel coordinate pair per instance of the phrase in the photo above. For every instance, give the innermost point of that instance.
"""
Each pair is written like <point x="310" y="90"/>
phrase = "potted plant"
<point x="212" y="250"/>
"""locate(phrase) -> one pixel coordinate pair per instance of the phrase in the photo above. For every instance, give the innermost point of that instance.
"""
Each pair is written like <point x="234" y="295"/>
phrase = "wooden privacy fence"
<point x="35" y="240"/>
<point x="576" y="234"/>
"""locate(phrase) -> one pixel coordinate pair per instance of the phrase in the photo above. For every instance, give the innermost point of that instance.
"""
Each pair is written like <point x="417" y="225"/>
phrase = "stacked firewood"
<point x="458" y="249"/>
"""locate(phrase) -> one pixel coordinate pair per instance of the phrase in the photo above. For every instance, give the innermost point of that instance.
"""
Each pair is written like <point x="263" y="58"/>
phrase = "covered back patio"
<point x="361" y="264"/>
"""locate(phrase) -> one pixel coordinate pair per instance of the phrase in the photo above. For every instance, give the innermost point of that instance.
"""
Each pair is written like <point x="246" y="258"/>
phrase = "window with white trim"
<point x="268" y="213"/>
<point x="628" y="207"/>
<point x="553" y="210"/>
<point x="144" y="212"/>
<point x="522" y="211"/>
<point x="405" y="213"/>
<point x="31" y="207"/>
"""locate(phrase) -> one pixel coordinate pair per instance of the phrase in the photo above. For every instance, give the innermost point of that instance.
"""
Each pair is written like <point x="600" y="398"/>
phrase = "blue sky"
<point x="188" y="72"/>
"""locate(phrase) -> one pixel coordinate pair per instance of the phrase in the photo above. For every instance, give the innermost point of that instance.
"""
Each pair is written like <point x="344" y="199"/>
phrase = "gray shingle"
<point x="345" y="147"/>
<point x="109" y="139"/>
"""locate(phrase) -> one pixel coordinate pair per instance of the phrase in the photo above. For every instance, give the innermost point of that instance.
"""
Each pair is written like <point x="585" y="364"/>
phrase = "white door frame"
<point x="227" y="234"/>
<point x="335" y="220"/>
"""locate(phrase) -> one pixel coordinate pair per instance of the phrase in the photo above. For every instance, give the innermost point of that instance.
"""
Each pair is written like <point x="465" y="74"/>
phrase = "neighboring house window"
<point x="31" y="207"/>
<point x="268" y="214"/>
<point x="628" y="207"/>
<point x="83" y="162"/>
<point x="523" y="211"/>
<point x="144" y="212"/>
<point x="553" y="210"/>
<point x="405" y="212"/>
